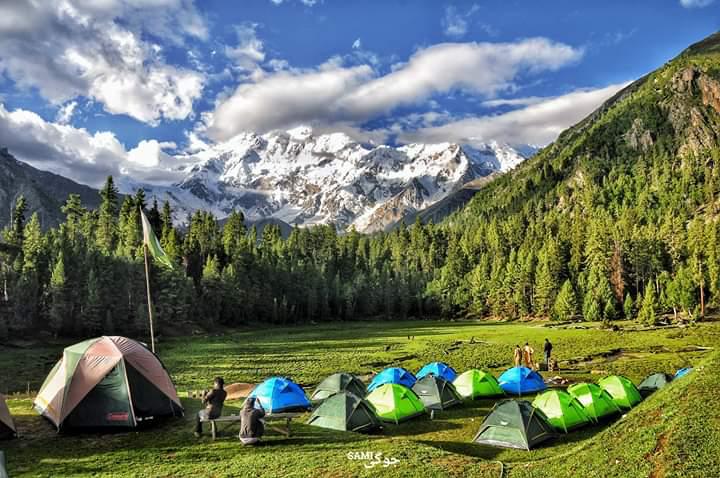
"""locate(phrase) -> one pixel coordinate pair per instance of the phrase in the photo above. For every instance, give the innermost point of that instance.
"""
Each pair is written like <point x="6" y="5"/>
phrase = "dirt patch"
<point x="453" y="465"/>
<point x="238" y="390"/>
<point x="655" y="458"/>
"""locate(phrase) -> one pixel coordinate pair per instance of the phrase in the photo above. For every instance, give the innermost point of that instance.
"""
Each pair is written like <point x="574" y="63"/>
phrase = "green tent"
<point x="596" y="401"/>
<point x="622" y="390"/>
<point x="345" y="411"/>
<point x="107" y="382"/>
<point x="514" y="424"/>
<point x="653" y="383"/>
<point x="436" y="393"/>
<point x="476" y="384"/>
<point x="395" y="403"/>
<point x="563" y="411"/>
<point x="339" y="382"/>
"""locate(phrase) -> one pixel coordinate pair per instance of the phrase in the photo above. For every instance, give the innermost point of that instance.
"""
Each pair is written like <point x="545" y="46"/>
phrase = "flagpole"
<point x="149" y="298"/>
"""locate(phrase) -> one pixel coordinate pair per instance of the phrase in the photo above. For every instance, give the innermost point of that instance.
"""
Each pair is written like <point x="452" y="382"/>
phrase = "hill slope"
<point x="45" y="192"/>
<point x="627" y="198"/>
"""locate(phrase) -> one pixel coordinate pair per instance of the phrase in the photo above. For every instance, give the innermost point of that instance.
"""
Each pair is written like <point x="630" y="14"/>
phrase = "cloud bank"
<point x="335" y="93"/>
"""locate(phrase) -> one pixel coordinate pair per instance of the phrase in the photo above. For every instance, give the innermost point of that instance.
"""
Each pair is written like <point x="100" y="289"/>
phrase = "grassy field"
<point x="671" y="434"/>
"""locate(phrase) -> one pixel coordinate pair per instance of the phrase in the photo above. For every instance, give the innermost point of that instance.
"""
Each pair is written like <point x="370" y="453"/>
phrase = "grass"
<point x="667" y="435"/>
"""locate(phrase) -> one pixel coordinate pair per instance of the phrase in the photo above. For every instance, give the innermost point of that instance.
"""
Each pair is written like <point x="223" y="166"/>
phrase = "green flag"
<point x="152" y="243"/>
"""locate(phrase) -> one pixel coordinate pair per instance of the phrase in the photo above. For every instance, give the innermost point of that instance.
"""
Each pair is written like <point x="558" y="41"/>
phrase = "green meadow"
<point x="675" y="432"/>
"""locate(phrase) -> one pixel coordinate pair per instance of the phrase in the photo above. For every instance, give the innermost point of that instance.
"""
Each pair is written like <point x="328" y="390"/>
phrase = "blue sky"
<point x="96" y="87"/>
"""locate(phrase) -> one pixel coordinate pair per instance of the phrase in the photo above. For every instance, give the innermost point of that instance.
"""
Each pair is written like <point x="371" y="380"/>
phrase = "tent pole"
<point x="149" y="298"/>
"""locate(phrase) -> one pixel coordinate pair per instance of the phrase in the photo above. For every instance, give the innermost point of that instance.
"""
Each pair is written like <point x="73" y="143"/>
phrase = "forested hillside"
<point x="617" y="218"/>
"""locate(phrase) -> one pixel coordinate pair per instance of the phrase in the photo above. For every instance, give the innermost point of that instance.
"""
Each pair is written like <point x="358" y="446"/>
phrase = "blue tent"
<point x="439" y="369"/>
<point x="683" y="371"/>
<point x="396" y="375"/>
<point x="278" y="394"/>
<point x="521" y="380"/>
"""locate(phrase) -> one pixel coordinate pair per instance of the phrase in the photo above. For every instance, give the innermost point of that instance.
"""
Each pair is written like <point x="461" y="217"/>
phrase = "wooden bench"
<point x="283" y="428"/>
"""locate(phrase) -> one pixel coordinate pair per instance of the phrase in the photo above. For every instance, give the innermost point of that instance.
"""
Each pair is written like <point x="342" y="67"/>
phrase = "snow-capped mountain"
<point x="302" y="178"/>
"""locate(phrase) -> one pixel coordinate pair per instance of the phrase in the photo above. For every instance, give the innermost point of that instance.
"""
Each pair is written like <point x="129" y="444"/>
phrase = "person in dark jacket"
<point x="252" y="426"/>
<point x="213" y="402"/>
<point x="548" y="351"/>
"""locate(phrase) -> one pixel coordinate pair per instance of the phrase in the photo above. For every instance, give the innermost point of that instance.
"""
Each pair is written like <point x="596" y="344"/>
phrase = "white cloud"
<point x="539" y="123"/>
<point x="454" y="24"/>
<point x="357" y="44"/>
<point x="96" y="49"/>
<point x="530" y="100"/>
<point x="333" y="93"/>
<point x="65" y="112"/>
<point x="696" y="3"/>
<point x="249" y="50"/>
<point x="80" y="155"/>
<point x="149" y="153"/>
<point x="307" y="3"/>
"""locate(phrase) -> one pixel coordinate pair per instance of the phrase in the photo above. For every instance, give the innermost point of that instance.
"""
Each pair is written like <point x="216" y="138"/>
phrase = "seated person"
<point x="213" y="402"/>
<point x="251" y="425"/>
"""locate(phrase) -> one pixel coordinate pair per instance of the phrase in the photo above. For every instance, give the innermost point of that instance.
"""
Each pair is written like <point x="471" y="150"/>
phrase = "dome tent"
<point x="521" y="380"/>
<point x="339" y="382"/>
<point x="396" y="375"/>
<point x="436" y="393"/>
<point x="7" y="425"/>
<point x="653" y="383"/>
<point x="475" y="383"/>
<point x="439" y="369"/>
<point x="622" y="390"/>
<point x="683" y="371"/>
<point x="107" y="382"/>
<point x="563" y="411"/>
<point x="596" y="401"/>
<point x="279" y="394"/>
<point x="514" y="424"/>
<point x="395" y="403"/>
<point x="345" y="411"/>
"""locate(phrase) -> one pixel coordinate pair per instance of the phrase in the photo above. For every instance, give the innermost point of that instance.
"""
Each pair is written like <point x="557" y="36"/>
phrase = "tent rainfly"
<point x="436" y="393"/>
<point x="339" y="382"/>
<point x="439" y="369"/>
<point x="476" y="383"/>
<point x="653" y="383"/>
<point x="279" y="394"/>
<point x="345" y="411"/>
<point x="596" y="401"/>
<point x="622" y="390"/>
<point x="564" y="412"/>
<point x="521" y="381"/>
<point x="107" y="382"/>
<point x="395" y="403"/>
<point x="514" y="424"/>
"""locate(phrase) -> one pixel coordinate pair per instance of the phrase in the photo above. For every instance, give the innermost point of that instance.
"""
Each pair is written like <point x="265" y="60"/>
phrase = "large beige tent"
<point x="107" y="382"/>
<point x="7" y="425"/>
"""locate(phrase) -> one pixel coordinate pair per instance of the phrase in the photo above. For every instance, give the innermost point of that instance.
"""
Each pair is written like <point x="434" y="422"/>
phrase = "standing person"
<point x="517" y="356"/>
<point x="213" y="402"/>
<point x="547" y="348"/>
<point x="251" y="425"/>
<point x="528" y="355"/>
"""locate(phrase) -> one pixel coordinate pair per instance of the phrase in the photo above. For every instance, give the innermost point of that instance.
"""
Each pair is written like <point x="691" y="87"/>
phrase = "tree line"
<point x="602" y="239"/>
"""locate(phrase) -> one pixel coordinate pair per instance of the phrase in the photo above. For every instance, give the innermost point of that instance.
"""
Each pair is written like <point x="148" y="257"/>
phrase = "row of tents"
<point x="117" y="382"/>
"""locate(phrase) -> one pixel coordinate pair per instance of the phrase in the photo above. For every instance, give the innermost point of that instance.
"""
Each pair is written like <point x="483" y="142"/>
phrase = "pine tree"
<point x="629" y="307"/>
<point x="648" y="310"/>
<point x="60" y="306"/>
<point x="14" y="234"/>
<point x="107" y="217"/>
<point x="565" y="307"/>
